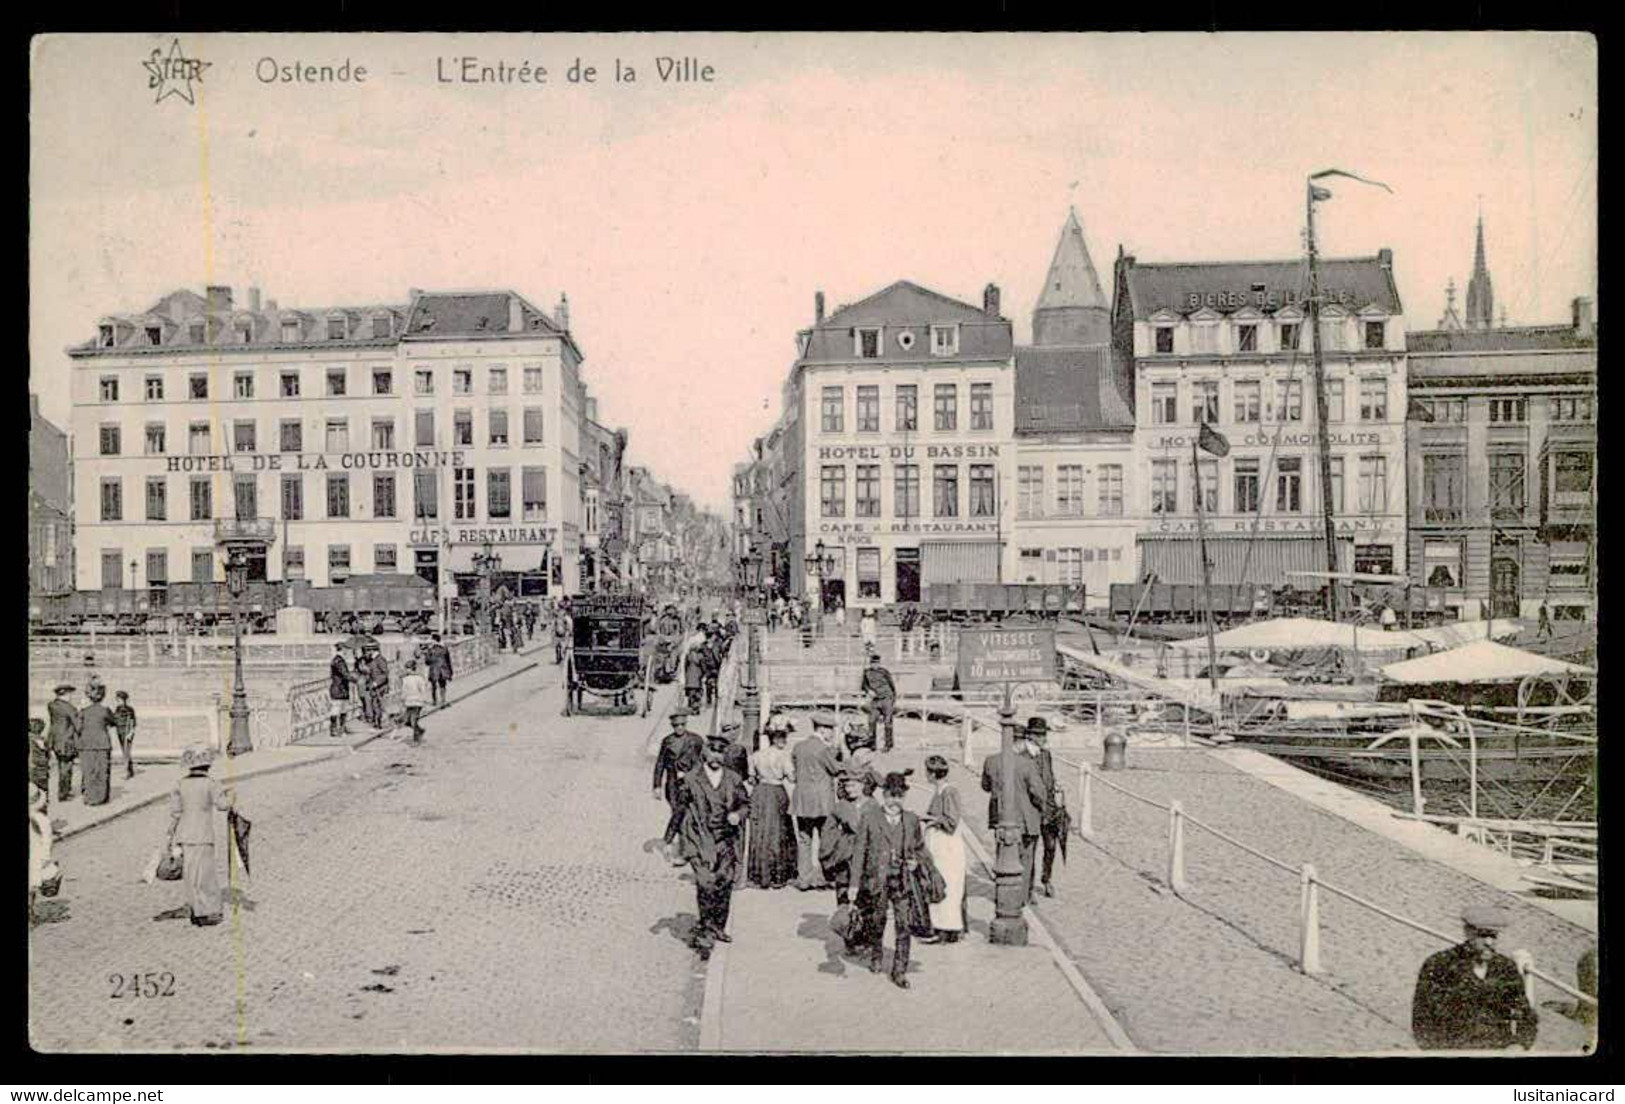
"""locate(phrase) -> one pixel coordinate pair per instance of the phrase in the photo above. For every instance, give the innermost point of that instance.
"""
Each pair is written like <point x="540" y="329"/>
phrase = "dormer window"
<point x="335" y="329"/>
<point x="1247" y="338"/>
<point x="104" y="336"/>
<point x="1289" y="337"/>
<point x="1376" y="335"/>
<point x="944" y="340"/>
<point x="155" y="335"/>
<point x="380" y="325"/>
<point x="1205" y="337"/>
<point x="290" y="329"/>
<point x="1165" y="339"/>
<point x="195" y="333"/>
<point x="868" y="343"/>
<point x="245" y="332"/>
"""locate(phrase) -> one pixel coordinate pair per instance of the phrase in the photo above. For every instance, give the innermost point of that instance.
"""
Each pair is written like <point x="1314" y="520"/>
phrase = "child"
<point x="124" y="720"/>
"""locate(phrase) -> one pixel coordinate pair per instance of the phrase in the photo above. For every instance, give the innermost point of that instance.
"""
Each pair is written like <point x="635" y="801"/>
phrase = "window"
<point x="337" y="381"/>
<point x="462" y="485"/>
<point x="243" y="436"/>
<point x="338" y="435"/>
<point x="1331" y="333"/>
<point x="112" y="499"/>
<point x="1069" y="490"/>
<point x="1443" y="486"/>
<point x="104" y="336"/>
<point x="155" y="438"/>
<point x="195" y="333"/>
<point x="462" y="381"/>
<point x="1205" y="402"/>
<point x="1205" y="337"/>
<point x="981" y="406"/>
<point x="944" y="340"/>
<point x="1110" y="479"/>
<point x="1373" y="399"/>
<point x="109" y="389"/>
<point x="983" y="491"/>
<point x="868" y="572"/>
<point x="197" y="439"/>
<point x="113" y="568"/>
<point x="1571" y="478"/>
<point x="1337" y="484"/>
<point x="1032" y="565"/>
<point x="202" y="565"/>
<point x="832" y="490"/>
<point x="1374" y="559"/>
<point x="498" y="496"/>
<point x="945" y="409"/>
<point x="1571" y="408"/>
<point x="1373" y="484"/>
<point x="532" y="383"/>
<point x="423" y="381"/>
<point x="383" y="381"/>
<point x="534" y="491"/>
<point x="423" y="428"/>
<point x="1289" y="485"/>
<point x="242" y="385"/>
<point x="1249" y="396"/>
<point x="945" y="491"/>
<point x="383" y="494"/>
<point x="1245" y="481"/>
<point x="1247" y="338"/>
<point x="383" y="557"/>
<point x="290" y="385"/>
<point x="1069" y="566"/>
<point x="1508" y="410"/>
<point x="868" y="409"/>
<point x="462" y="427"/>
<point x="335" y="332"/>
<point x="906" y="490"/>
<point x="831" y="407"/>
<point x="1334" y="401"/>
<point x="338" y="495"/>
<point x="868" y="343"/>
<point x="1289" y="336"/>
<point x="155" y="388"/>
<point x="110" y="438"/>
<point x="498" y="426"/>
<point x="293" y="498"/>
<point x="1165" y="339"/>
<point x="1288" y="401"/>
<point x="908" y="407"/>
<point x="157" y="567"/>
<point x="383" y="433"/>
<point x="1449" y="410"/>
<point x="290" y="330"/>
<point x="1506" y="484"/>
<point x="1030" y="491"/>
<point x="1209" y="470"/>
<point x="245" y="497"/>
<point x="533" y="425"/>
<point x="868" y="491"/>
<point x="380" y="328"/>
<point x="202" y="497"/>
<point x="292" y="434"/>
<point x="496" y="381"/>
<point x="245" y="332"/>
<point x="1570" y="564"/>
<point x="157" y="498"/>
<point x="1164" y="486"/>
<point x="1376" y="335"/>
<point x="426" y="495"/>
<point x="338" y="560"/>
<point x="1164" y="403"/>
<point x="1441" y="563"/>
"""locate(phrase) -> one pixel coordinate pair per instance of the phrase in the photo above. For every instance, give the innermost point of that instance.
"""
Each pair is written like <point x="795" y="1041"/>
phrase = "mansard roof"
<point x="1184" y="288"/>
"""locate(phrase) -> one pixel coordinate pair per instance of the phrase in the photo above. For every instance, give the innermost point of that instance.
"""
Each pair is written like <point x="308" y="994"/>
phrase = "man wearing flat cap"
<point x="713" y="826"/>
<point x="1053" y="827"/>
<point x="1471" y="997"/>
<point x="64" y="739"/>
<point x="680" y="753"/>
<point x="1031" y="799"/>
<point x="813" y="798"/>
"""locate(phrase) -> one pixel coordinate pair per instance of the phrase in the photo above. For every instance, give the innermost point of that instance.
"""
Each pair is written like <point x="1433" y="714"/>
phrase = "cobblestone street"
<point x="495" y="888"/>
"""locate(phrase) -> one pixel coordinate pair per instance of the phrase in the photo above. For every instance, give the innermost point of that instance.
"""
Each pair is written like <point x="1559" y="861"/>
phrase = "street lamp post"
<point x="1009" y="926"/>
<point x="752" y="705"/>
<point x="487" y="563"/>
<point x="239" y="741"/>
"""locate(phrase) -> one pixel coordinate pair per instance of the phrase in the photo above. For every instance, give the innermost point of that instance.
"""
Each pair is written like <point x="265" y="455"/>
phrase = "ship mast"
<point x="1322" y="434"/>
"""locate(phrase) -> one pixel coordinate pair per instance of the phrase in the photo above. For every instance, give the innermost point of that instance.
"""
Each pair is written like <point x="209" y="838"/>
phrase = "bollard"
<point x="1086" y="810"/>
<point x="1176" y="847"/>
<point x="1115" y="746"/>
<point x="965" y="727"/>
<point x="1187" y="724"/>
<point x="1525" y="962"/>
<point x="1309" y="921"/>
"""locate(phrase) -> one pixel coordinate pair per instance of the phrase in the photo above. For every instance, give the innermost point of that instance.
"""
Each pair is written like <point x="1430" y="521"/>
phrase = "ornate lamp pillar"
<point x="236" y="540"/>
<point x="1009" y="926"/>
<point x="752" y="705"/>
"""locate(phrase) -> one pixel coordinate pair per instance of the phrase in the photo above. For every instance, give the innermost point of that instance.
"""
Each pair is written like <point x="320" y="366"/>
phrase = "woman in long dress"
<point x="947" y="849"/>
<point x="770" y="861"/>
<point x="192" y="805"/>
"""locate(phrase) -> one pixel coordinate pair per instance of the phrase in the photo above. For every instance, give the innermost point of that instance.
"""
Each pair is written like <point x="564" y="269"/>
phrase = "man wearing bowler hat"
<point x="1471" y="997"/>
<point x="713" y="825"/>
<point x="1031" y="798"/>
<point x="680" y="753"/>
<point x="64" y="739"/>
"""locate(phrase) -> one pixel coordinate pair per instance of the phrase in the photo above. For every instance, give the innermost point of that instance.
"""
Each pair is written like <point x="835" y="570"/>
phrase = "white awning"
<point x="959" y="562"/>
<point x="1480" y="661"/>
<point x="1307" y="632"/>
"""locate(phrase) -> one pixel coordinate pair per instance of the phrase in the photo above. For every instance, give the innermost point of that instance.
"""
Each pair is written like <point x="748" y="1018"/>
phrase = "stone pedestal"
<point x="295" y="621"/>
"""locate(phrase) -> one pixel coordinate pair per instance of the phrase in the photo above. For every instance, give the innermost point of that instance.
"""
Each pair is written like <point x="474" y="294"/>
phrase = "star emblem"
<point x="172" y="74"/>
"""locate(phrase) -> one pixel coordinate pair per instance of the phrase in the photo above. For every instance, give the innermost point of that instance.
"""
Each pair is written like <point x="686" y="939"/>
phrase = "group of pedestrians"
<point x="366" y="678"/>
<point x="82" y="736"/>
<point x="702" y="663"/>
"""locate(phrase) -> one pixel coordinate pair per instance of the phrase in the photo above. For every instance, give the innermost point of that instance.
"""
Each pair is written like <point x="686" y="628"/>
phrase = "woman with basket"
<point x="192" y="805"/>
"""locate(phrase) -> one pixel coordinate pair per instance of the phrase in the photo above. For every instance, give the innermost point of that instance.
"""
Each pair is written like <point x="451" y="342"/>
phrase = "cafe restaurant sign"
<point x="516" y="534"/>
<point x="993" y="656"/>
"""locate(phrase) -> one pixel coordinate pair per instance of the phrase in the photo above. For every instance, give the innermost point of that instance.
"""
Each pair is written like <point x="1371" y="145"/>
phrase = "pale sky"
<point x="691" y="224"/>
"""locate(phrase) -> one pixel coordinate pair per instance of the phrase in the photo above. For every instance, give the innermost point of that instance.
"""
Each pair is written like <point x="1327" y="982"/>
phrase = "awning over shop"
<point x="1293" y="633"/>
<point x="959" y="562"/>
<point x="1273" y="559"/>
<point x="1480" y="661"/>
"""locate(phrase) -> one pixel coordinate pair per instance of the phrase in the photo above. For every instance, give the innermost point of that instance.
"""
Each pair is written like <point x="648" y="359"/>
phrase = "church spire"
<point x="1480" y="297"/>
<point x="1451" y="320"/>
<point x="1072" y="309"/>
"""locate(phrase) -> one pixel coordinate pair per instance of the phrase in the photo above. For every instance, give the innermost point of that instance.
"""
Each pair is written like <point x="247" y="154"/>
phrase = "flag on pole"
<point x="1318" y="194"/>
<point x="1212" y="441"/>
<point x="240" y="827"/>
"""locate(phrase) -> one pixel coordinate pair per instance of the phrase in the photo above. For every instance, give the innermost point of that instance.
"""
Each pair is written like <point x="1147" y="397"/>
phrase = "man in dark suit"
<point x="1053" y="829"/>
<point x="1031" y="799"/>
<point x="64" y="739"/>
<point x="438" y="659"/>
<point x="713" y="826"/>
<point x="1471" y="997"/>
<point x="680" y="753"/>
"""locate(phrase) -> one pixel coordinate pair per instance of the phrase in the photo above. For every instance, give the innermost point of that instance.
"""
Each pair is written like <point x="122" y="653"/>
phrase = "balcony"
<point x="244" y="530"/>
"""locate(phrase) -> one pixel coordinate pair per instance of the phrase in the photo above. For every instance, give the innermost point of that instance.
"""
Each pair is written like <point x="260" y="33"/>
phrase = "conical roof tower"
<point x="1072" y="309"/>
<point x="1480" y="297"/>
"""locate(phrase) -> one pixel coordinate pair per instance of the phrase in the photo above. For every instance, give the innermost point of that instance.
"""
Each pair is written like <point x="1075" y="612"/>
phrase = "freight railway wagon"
<point x="1237" y="602"/>
<point x="992" y="601"/>
<point x="363" y="603"/>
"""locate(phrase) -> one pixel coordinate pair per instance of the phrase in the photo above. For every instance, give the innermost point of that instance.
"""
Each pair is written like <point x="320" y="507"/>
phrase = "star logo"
<point x="172" y="74"/>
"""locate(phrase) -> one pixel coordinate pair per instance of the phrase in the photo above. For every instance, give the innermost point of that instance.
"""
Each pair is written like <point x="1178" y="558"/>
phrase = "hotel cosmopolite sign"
<point x="995" y="656"/>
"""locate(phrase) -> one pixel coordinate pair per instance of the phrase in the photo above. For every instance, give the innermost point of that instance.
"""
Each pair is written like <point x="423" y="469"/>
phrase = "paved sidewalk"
<point x="153" y="781"/>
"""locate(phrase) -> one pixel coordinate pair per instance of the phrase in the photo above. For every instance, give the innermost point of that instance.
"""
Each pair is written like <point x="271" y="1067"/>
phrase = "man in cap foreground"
<point x="64" y="739"/>
<point x="1471" y="997"/>
<point x="880" y="693"/>
<point x="680" y="753"/>
<point x="1053" y="827"/>
<point x="1031" y="799"/>
<point x="737" y="757"/>
<point x="713" y="824"/>
<point x="812" y="799"/>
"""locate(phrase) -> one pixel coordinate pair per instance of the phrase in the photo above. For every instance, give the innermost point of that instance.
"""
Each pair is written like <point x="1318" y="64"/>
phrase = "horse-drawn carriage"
<point x="610" y="657"/>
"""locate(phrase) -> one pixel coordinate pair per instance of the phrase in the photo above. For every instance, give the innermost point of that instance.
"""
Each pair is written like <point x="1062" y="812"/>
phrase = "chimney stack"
<point x="818" y="307"/>
<point x="1385" y="258"/>
<point x="564" y="312"/>
<point x="592" y="409"/>
<point x="1583" y="325"/>
<point x="990" y="301"/>
<point x="218" y="298"/>
<point x="270" y="306"/>
<point x="254" y="299"/>
<point x="516" y="314"/>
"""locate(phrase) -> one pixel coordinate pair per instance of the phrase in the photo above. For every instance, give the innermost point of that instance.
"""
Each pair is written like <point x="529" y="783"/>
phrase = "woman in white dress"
<point x="947" y="850"/>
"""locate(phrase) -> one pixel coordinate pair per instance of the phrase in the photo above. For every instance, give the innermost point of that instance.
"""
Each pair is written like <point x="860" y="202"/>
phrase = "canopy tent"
<point x="1465" y="632"/>
<point x="1480" y="661"/>
<point x="1307" y="632"/>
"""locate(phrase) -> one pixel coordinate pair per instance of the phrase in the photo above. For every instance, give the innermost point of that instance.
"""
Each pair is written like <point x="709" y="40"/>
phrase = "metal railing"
<point x="309" y="706"/>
